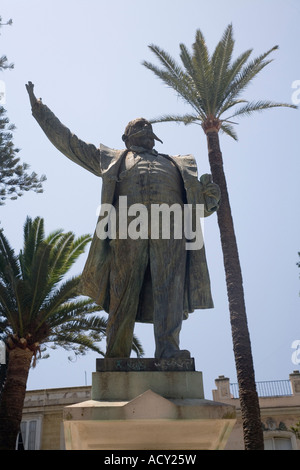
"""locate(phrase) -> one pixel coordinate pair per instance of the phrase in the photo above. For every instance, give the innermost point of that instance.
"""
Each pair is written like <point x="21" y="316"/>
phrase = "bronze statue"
<point x="148" y="279"/>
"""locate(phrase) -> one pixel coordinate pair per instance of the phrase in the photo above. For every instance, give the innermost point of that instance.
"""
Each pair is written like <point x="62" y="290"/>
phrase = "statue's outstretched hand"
<point x="32" y="97"/>
<point x="211" y="193"/>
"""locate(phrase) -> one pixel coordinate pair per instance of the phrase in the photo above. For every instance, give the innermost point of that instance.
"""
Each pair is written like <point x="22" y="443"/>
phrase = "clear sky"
<point x="84" y="57"/>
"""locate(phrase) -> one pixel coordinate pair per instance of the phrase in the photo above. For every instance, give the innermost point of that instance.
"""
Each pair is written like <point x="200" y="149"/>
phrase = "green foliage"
<point x="212" y="84"/>
<point x="3" y="60"/>
<point x="296" y="430"/>
<point x="37" y="305"/>
<point x="14" y="178"/>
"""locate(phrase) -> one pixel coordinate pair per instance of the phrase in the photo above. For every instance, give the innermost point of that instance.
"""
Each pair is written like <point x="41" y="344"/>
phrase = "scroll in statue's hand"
<point x="211" y="193"/>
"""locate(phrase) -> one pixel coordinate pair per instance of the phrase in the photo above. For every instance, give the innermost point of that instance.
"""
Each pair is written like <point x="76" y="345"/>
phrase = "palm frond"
<point x="191" y="80"/>
<point x="137" y="347"/>
<point x="186" y="119"/>
<point x="8" y="259"/>
<point x="66" y="292"/>
<point x="64" y="253"/>
<point x="220" y="63"/>
<point x="5" y="329"/>
<point x="229" y="130"/>
<point x="251" y="107"/>
<point x="34" y="232"/>
<point x="34" y="235"/>
<point x="68" y="311"/>
<point x="69" y="339"/>
<point x="172" y="75"/>
<point x="203" y="71"/>
<point x="76" y="249"/>
<point x="231" y="74"/>
<point x="38" y="278"/>
<point x="52" y="237"/>
<point x="8" y="306"/>
<point x="167" y="62"/>
<point x="230" y="104"/>
<point x="94" y="323"/>
<point x="61" y="246"/>
<point x="23" y="298"/>
<point x="246" y="75"/>
<point x="187" y="60"/>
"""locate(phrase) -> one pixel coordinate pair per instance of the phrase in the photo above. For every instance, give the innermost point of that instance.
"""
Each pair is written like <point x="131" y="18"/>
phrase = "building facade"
<point x="280" y="411"/>
<point x="42" y="420"/>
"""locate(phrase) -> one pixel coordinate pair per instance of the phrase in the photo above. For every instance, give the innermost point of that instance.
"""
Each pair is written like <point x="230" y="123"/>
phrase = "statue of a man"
<point x="140" y="279"/>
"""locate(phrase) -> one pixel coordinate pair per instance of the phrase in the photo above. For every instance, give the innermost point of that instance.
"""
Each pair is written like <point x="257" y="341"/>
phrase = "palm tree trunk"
<point x="12" y="397"/>
<point x="253" y="434"/>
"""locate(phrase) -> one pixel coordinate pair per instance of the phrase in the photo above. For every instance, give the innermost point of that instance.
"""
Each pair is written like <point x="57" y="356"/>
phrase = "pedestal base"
<point x="147" y="409"/>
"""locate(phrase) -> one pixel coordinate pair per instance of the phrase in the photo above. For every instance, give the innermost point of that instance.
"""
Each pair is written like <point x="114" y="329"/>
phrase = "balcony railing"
<point x="275" y="388"/>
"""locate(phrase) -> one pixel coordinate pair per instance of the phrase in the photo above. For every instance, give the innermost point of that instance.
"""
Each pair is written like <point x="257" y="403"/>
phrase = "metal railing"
<point x="275" y="388"/>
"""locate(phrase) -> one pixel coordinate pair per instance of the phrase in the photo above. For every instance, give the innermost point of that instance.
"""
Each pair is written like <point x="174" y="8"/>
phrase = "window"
<point x="29" y="437"/>
<point x="279" y="440"/>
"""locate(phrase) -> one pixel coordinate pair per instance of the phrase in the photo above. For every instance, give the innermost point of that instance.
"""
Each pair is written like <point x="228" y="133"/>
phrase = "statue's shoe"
<point x="180" y="354"/>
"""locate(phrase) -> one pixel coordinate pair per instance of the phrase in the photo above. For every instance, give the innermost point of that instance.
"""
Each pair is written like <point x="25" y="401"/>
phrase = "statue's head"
<point x="139" y="133"/>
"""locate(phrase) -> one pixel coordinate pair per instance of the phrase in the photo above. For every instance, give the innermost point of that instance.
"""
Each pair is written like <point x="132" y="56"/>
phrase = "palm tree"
<point x="212" y="85"/>
<point x="37" y="306"/>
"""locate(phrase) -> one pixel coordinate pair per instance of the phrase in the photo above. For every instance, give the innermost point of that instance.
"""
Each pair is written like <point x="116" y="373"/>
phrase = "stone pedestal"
<point x="147" y="404"/>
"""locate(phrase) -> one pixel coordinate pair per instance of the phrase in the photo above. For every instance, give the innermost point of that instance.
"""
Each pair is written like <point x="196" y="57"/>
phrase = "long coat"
<point x="105" y="162"/>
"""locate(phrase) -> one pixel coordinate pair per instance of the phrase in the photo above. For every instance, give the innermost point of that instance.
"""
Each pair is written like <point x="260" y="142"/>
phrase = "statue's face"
<point x="142" y="135"/>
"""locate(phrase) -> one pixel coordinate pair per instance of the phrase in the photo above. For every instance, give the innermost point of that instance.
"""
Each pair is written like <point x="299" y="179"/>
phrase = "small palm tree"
<point x="37" y="306"/>
<point x="212" y="85"/>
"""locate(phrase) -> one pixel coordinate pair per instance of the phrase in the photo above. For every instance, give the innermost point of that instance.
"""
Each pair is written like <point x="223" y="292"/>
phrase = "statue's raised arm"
<point x="32" y="97"/>
<point x="82" y="153"/>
